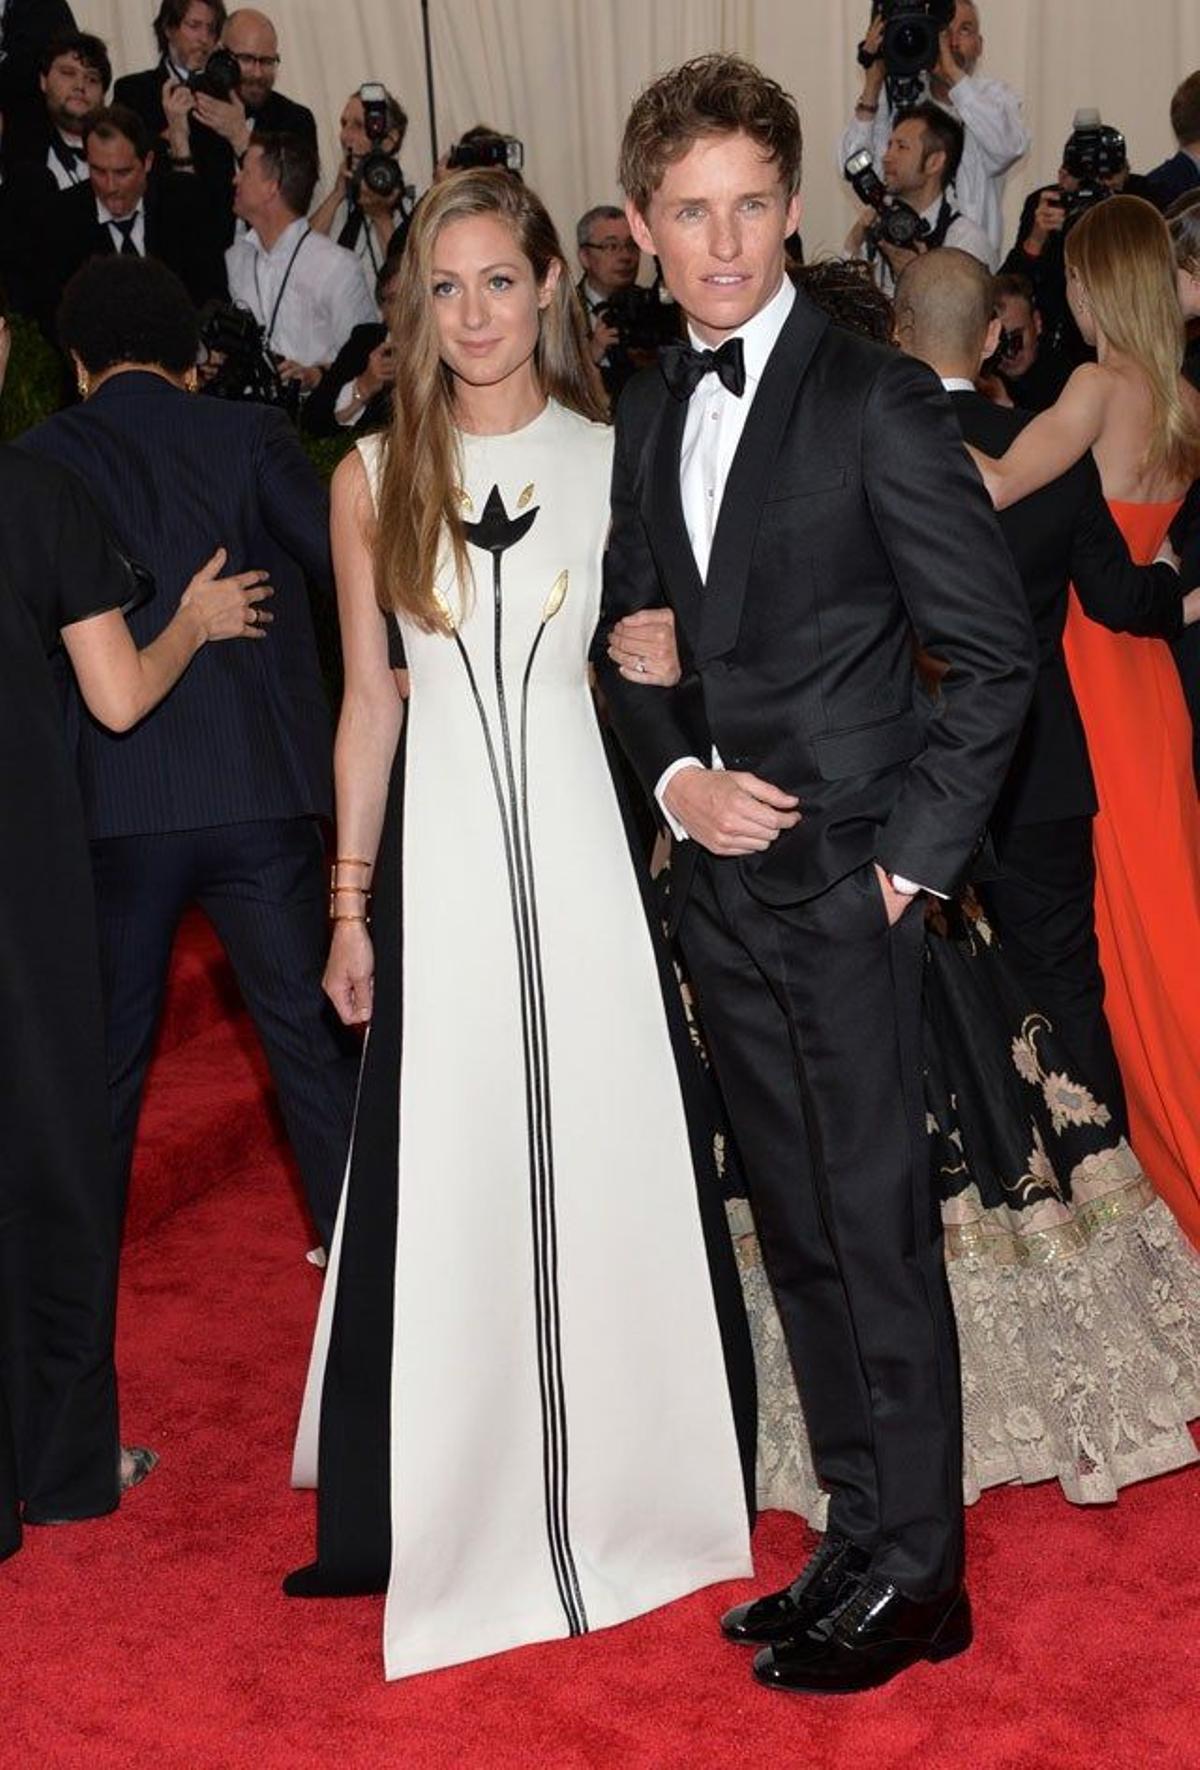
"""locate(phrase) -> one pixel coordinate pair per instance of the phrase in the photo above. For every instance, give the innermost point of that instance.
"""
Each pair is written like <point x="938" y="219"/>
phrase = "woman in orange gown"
<point x="1142" y="421"/>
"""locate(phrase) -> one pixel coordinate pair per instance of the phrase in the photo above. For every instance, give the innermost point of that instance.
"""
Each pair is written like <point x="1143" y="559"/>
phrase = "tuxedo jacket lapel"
<point x="724" y="591"/>
<point x="665" y="522"/>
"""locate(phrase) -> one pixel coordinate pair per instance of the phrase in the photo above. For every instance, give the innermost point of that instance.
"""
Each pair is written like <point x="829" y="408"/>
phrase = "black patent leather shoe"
<point x="802" y="1604"/>
<point x="872" y="1635"/>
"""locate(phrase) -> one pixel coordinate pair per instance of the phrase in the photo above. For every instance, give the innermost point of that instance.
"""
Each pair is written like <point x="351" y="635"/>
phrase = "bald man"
<point x="1043" y="902"/>
<point x="227" y="126"/>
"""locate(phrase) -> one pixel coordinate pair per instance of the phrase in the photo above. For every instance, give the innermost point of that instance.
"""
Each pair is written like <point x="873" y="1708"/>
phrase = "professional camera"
<point x="1095" y="152"/>
<point x="504" y="151"/>
<point x="911" y="33"/>
<point x="377" y="171"/>
<point x="220" y="77"/>
<point x="643" y="321"/>
<point x="245" y="369"/>
<point x="897" y="222"/>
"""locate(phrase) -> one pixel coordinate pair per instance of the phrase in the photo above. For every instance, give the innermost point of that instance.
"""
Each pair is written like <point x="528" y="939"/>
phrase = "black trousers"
<point x="813" y="1019"/>
<point x="1044" y="909"/>
<point x="262" y="885"/>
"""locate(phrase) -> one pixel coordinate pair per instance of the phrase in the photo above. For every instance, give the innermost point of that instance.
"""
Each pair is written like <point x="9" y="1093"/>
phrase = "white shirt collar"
<point x="106" y="218"/>
<point x="593" y="297"/>
<point x="289" y="238"/>
<point x="760" y="332"/>
<point x="957" y="384"/>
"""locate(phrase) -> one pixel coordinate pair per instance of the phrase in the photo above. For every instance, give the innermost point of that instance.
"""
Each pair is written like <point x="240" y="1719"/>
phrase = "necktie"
<point x="125" y="229"/>
<point x="684" y="368"/>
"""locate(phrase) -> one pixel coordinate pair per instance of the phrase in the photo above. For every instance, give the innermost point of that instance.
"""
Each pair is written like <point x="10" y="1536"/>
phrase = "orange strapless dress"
<point x="1147" y="876"/>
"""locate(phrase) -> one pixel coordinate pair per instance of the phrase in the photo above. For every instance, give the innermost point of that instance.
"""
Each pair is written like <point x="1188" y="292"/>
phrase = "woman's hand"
<point x="643" y="647"/>
<point x="228" y="608"/>
<point x="349" y="979"/>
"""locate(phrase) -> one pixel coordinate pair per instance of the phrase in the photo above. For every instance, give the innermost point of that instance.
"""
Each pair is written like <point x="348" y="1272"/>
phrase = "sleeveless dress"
<point x="517" y="1413"/>
<point x="1147" y="837"/>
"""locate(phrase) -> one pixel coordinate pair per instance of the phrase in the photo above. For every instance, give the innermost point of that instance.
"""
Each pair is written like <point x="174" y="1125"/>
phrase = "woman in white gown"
<point x="517" y="1414"/>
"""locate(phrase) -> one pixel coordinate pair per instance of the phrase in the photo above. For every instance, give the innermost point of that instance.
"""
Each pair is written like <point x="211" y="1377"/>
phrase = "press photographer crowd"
<point x="893" y="645"/>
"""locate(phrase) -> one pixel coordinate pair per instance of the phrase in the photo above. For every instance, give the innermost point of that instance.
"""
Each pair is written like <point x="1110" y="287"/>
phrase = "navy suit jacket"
<point x="1174" y="178"/>
<point x="245" y="734"/>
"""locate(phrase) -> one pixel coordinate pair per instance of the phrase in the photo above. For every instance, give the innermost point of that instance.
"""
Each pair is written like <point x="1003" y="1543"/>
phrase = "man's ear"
<point x="1037" y="322"/>
<point x="639" y="228"/>
<point x="991" y="343"/>
<point x="795" y="211"/>
<point x="148" y="163"/>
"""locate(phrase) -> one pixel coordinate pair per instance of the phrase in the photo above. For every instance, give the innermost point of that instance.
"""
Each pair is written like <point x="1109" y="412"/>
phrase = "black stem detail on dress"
<point x="496" y="532"/>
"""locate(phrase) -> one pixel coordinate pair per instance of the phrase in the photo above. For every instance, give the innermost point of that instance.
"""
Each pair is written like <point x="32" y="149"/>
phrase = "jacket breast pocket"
<point x="807" y="485"/>
<point x="868" y="749"/>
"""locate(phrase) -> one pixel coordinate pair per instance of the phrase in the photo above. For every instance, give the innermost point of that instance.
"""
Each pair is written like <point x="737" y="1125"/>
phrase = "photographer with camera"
<point x="1032" y="375"/>
<point x="1095" y="165"/>
<point x="917" y="49"/>
<point x="369" y="202"/>
<point x="305" y="294"/>
<point x="354" y="396"/>
<point x="910" y="210"/>
<point x="610" y="258"/>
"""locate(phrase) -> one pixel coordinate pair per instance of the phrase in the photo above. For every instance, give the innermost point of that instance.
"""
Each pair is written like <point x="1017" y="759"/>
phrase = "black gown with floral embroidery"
<point x="1076" y="1295"/>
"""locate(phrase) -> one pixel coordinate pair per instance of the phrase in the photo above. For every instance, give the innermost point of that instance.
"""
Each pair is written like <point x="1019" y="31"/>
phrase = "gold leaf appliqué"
<point x="556" y="598"/>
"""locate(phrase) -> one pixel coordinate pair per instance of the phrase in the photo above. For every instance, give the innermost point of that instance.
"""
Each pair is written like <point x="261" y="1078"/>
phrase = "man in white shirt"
<point x="306" y="293"/>
<point x="989" y="111"/>
<point x="919" y="169"/>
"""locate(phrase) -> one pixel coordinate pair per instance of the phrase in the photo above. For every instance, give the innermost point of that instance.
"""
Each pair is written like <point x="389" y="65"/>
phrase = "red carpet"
<point x="159" y="1636"/>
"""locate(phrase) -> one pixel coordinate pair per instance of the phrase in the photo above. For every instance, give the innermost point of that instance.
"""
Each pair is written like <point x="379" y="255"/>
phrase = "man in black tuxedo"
<point x="218" y="796"/>
<point x="802" y="499"/>
<point x="125" y="208"/>
<point x="1043" y="901"/>
<point x="44" y="154"/>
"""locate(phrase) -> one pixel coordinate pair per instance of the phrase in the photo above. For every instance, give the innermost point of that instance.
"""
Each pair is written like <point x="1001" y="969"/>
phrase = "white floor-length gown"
<point x="517" y="1353"/>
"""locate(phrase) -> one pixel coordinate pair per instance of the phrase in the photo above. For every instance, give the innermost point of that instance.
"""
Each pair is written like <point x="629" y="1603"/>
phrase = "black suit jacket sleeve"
<point x="657" y="726"/>
<point x="966" y="604"/>
<point x="1129" y="598"/>
<point x="293" y="501"/>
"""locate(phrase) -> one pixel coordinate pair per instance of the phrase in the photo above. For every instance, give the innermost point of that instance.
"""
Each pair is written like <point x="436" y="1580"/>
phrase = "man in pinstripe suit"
<point x="217" y="797"/>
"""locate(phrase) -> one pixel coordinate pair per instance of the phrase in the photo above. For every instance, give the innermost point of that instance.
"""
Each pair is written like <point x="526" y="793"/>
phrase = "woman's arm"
<point x="121" y="684"/>
<point x="1051" y="444"/>
<point x="367" y="734"/>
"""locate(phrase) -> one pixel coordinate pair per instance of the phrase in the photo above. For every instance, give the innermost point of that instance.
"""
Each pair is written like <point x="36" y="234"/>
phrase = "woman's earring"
<point x="83" y="381"/>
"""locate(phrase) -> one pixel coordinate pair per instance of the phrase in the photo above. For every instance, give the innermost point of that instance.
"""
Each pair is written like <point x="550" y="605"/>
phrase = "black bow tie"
<point x="684" y="368"/>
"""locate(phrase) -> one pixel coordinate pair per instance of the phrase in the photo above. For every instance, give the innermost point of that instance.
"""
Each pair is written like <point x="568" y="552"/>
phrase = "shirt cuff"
<point x="910" y="888"/>
<point x="348" y="406"/>
<point x="664" y="781"/>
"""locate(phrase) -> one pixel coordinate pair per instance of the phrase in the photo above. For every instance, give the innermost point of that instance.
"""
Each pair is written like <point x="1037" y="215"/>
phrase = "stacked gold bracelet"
<point x="337" y="889"/>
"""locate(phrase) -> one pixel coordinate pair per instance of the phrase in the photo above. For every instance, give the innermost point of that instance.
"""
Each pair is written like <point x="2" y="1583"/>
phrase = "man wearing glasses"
<point x="610" y="260"/>
<point x="251" y="38"/>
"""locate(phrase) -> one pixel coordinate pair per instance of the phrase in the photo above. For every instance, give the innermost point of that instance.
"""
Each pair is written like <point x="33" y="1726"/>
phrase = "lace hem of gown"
<point x="1080" y="1355"/>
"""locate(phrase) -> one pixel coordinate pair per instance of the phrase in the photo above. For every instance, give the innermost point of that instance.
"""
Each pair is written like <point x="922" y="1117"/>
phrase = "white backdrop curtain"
<point x="561" y="73"/>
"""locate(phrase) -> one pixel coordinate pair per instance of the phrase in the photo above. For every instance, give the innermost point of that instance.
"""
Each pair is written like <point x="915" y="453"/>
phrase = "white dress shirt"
<point x="138" y="235"/>
<point x="306" y="293"/>
<point x="711" y="433"/>
<point x="995" y="138"/>
<point x="65" y="169"/>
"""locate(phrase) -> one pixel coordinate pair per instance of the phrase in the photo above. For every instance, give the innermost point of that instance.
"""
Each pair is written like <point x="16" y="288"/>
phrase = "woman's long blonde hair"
<point x="419" y="492"/>
<point x="1122" y="253"/>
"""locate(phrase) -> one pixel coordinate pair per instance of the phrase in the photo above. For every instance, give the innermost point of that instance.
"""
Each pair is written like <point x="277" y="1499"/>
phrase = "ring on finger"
<point x="641" y="666"/>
